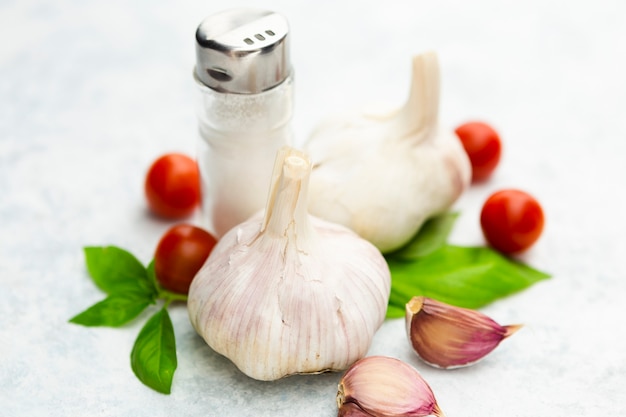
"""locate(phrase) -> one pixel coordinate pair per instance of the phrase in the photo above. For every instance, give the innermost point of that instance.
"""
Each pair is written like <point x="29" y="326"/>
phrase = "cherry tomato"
<point x="180" y="254"/>
<point x="172" y="186"/>
<point x="511" y="220"/>
<point x="483" y="146"/>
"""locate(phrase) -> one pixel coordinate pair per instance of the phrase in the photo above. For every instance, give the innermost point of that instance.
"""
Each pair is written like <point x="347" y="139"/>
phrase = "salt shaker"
<point x="244" y="77"/>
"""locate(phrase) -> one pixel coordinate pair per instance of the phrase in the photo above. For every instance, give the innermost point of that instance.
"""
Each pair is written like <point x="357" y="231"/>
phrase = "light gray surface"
<point x="91" y="93"/>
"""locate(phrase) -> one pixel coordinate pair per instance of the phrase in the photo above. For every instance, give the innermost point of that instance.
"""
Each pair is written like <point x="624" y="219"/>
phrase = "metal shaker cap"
<point x="243" y="51"/>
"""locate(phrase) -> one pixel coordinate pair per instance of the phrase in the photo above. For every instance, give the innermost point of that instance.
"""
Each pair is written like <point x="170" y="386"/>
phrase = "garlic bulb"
<point x="379" y="386"/>
<point x="446" y="336"/>
<point x="384" y="175"/>
<point x="285" y="292"/>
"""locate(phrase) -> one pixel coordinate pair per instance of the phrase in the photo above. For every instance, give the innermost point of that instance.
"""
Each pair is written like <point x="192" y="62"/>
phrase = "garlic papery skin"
<point x="446" y="336"/>
<point x="384" y="175"/>
<point x="379" y="386"/>
<point x="287" y="293"/>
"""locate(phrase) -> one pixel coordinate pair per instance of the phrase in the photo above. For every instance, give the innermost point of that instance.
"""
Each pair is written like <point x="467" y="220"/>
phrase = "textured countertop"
<point x="92" y="92"/>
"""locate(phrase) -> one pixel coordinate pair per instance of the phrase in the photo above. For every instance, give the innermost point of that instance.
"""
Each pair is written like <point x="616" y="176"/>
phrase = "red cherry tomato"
<point x="483" y="146"/>
<point x="172" y="186"/>
<point x="180" y="254"/>
<point x="511" y="220"/>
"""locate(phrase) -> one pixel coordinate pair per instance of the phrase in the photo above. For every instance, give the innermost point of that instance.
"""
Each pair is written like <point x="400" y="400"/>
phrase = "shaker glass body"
<point x="240" y="135"/>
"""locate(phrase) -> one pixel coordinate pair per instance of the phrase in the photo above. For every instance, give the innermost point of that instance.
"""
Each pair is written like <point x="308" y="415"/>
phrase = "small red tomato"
<point x="180" y="254"/>
<point x="483" y="146"/>
<point x="172" y="186"/>
<point x="511" y="220"/>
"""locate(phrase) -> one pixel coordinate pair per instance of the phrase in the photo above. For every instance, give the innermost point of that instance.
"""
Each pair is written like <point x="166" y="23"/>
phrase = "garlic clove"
<point x="379" y="386"/>
<point x="446" y="336"/>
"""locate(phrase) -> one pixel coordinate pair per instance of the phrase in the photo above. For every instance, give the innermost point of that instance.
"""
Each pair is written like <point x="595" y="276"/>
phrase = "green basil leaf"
<point x="431" y="236"/>
<point x="153" y="358"/>
<point x="394" y="312"/>
<point x="114" y="311"/>
<point x="151" y="274"/>
<point x="115" y="270"/>
<point x="463" y="276"/>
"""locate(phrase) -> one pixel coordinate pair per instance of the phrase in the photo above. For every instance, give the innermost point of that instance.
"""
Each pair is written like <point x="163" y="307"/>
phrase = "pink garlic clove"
<point x="379" y="386"/>
<point x="446" y="336"/>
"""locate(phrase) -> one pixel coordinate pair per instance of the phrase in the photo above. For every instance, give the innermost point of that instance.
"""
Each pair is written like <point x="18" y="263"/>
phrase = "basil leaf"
<point x="153" y="358"/>
<point x="394" y="311"/>
<point x="463" y="276"/>
<point x="151" y="274"/>
<point x="114" y="311"/>
<point x="115" y="270"/>
<point x="431" y="236"/>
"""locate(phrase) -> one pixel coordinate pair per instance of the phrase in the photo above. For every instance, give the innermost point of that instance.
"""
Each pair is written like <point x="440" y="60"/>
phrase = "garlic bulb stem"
<point x="286" y="212"/>
<point x="421" y="111"/>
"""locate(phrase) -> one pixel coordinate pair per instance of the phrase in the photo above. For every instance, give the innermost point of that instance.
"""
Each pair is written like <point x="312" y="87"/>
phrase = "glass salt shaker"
<point x="245" y="84"/>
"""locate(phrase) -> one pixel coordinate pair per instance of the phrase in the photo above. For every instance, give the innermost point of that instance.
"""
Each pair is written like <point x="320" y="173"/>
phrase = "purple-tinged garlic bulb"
<point x="287" y="293"/>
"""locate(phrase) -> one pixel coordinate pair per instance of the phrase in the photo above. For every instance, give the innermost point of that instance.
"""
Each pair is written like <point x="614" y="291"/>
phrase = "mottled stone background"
<point x="91" y="92"/>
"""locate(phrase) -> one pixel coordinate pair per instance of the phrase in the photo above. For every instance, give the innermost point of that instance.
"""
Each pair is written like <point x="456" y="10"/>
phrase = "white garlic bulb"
<point x="285" y="292"/>
<point x="384" y="175"/>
